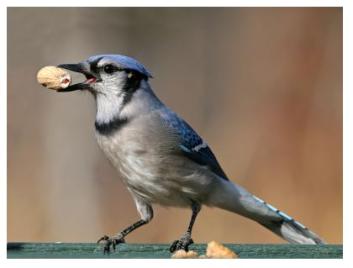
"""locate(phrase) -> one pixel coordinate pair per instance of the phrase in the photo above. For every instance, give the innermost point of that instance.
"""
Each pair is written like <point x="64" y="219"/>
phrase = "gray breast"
<point x="145" y="155"/>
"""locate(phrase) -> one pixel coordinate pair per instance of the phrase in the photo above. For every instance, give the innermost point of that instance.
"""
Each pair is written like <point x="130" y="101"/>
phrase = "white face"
<point x="113" y="78"/>
<point x="114" y="81"/>
<point x="114" y="88"/>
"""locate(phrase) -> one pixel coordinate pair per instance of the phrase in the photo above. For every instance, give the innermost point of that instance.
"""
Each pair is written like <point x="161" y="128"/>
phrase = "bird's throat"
<point x="109" y="107"/>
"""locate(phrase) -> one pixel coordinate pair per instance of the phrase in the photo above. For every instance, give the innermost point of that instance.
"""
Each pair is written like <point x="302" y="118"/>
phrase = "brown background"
<point x="262" y="85"/>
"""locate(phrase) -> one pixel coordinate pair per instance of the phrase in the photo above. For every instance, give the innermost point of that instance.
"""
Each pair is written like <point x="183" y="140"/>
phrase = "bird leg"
<point x="119" y="238"/>
<point x="186" y="240"/>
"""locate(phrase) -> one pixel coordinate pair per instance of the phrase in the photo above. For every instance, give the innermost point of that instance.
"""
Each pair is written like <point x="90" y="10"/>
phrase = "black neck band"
<point x="110" y="127"/>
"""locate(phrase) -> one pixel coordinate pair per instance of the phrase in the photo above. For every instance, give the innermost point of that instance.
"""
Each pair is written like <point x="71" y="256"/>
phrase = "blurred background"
<point x="262" y="85"/>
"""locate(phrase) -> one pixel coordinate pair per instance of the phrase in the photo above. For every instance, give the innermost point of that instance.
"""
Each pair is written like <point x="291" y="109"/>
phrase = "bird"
<point x="161" y="158"/>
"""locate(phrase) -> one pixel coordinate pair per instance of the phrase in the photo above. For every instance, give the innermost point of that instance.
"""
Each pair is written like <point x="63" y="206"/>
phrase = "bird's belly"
<point x="166" y="181"/>
<point x="159" y="182"/>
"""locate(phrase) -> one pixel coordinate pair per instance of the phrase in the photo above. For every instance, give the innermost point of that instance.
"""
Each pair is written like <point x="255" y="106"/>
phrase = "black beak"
<point x="80" y="68"/>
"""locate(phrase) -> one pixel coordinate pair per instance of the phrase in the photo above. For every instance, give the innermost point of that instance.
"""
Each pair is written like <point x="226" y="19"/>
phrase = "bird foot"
<point x="183" y="243"/>
<point x="110" y="242"/>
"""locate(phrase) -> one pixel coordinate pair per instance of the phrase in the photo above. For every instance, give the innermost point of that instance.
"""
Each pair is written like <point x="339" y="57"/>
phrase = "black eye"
<point x="109" y="68"/>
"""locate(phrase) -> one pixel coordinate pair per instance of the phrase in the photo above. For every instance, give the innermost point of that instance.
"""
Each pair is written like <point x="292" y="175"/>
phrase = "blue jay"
<point x="162" y="160"/>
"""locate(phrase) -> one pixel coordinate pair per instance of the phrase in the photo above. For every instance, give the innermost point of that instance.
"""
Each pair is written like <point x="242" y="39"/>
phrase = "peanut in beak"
<point x="53" y="77"/>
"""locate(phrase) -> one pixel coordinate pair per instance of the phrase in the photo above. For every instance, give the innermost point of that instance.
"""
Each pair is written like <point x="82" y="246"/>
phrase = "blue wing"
<point x="192" y="145"/>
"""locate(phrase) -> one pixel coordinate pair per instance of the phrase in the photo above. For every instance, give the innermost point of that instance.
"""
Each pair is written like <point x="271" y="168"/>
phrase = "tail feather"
<point x="289" y="229"/>
<point x="235" y="198"/>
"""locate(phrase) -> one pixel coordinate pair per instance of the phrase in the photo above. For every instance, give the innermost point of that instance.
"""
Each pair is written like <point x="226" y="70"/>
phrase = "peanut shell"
<point x="53" y="77"/>
<point x="182" y="254"/>
<point x="218" y="251"/>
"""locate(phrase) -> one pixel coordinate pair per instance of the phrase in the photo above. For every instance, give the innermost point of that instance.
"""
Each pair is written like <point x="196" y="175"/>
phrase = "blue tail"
<point x="288" y="228"/>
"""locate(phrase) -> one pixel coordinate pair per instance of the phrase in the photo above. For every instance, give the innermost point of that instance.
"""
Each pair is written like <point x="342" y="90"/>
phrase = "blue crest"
<point x="124" y="62"/>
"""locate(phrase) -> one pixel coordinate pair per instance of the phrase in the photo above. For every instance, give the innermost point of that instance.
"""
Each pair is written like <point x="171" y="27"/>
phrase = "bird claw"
<point x="183" y="243"/>
<point x="110" y="242"/>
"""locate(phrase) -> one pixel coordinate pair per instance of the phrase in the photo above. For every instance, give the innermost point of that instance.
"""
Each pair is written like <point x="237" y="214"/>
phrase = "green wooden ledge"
<point x="131" y="251"/>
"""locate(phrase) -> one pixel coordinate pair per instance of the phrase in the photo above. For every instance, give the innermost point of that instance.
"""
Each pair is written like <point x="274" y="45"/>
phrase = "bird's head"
<point x="108" y="74"/>
<point x="118" y="83"/>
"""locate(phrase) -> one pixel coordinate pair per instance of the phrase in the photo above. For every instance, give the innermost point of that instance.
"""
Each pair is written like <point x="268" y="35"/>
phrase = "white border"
<point x="348" y="133"/>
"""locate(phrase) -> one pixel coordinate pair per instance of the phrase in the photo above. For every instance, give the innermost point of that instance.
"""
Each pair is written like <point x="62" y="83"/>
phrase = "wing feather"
<point x="191" y="144"/>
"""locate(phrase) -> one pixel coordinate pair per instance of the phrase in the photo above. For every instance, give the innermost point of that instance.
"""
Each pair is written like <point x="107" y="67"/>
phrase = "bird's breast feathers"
<point x="151" y="168"/>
